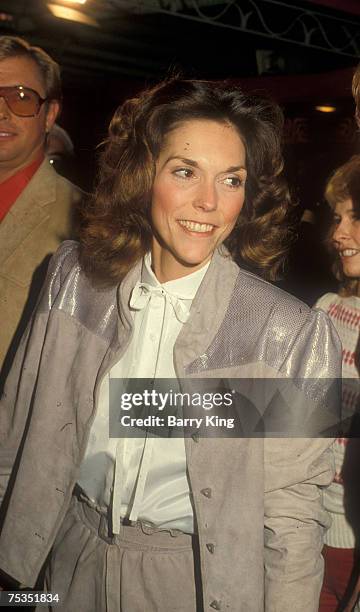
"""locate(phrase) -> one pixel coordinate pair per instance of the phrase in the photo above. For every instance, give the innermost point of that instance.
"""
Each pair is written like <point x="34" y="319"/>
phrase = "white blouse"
<point x="144" y="478"/>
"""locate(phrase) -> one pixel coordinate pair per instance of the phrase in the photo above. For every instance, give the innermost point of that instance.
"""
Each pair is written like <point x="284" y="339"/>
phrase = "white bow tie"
<point x="142" y="293"/>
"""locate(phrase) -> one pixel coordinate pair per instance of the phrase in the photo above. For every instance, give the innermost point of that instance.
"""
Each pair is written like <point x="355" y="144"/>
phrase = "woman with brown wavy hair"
<point x="117" y="229"/>
<point x="190" y="181"/>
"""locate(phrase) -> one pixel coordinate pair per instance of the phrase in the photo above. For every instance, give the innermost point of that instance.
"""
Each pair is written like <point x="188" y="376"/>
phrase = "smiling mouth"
<point x="348" y="252"/>
<point x="193" y="226"/>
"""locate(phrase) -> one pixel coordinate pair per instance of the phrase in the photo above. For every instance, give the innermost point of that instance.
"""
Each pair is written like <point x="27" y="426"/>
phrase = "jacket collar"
<point x="206" y="313"/>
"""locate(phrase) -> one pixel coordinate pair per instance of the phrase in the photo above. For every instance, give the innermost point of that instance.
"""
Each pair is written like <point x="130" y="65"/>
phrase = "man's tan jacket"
<point x="32" y="230"/>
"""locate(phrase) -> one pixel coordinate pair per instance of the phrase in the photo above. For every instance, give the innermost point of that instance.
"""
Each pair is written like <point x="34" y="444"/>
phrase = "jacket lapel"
<point x="207" y="310"/>
<point x="29" y="210"/>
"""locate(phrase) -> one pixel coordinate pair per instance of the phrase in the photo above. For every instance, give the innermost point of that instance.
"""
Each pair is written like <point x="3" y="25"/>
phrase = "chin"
<point x="195" y="260"/>
<point x="351" y="273"/>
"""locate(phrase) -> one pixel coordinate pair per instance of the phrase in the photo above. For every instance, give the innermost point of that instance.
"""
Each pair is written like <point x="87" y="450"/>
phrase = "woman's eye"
<point x="184" y="173"/>
<point x="233" y="181"/>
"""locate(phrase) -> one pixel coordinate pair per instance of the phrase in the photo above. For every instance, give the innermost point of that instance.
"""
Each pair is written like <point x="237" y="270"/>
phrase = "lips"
<point x="348" y="252"/>
<point x="6" y="132"/>
<point x="195" y="226"/>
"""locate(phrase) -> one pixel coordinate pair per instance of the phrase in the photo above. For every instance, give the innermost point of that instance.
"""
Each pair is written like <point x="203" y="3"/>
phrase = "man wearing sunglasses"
<point x="35" y="202"/>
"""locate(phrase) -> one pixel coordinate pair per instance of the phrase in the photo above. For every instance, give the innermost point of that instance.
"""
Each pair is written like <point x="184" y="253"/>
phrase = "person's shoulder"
<point x="63" y="264"/>
<point x="66" y="188"/>
<point x="295" y="330"/>
<point x="65" y="258"/>
<point x="283" y="314"/>
<point x="50" y="187"/>
<point x="71" y="291"/>
<point x="271" y="299"/>
<point x="327" y="299"/>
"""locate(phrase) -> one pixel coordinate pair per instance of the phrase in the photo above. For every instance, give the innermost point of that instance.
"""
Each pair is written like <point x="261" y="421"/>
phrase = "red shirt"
<point x="12" y="187"/>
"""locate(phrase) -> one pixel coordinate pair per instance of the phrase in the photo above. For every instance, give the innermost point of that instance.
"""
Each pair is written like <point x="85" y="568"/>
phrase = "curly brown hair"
<point x="115" y="226"/>
<point x="343" y="185"/>
<point x="356" y="93"/>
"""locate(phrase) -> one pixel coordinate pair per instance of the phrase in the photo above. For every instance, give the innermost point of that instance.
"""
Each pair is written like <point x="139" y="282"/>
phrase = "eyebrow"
<point x="194" y="164"/>
<point x="345" y="212"/>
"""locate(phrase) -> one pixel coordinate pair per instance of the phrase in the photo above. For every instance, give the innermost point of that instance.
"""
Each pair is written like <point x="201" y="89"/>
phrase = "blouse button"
<point x="215" y="605"/>
<point x="210" y="547"/>
<point x="207" y="492"/>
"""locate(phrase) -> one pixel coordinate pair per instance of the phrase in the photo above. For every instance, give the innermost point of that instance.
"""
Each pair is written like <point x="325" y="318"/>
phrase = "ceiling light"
<point x="75" y="1"/>
<point x="64" y="12"/>
<point x="325" y="109"/>
<point x="6" y="17"/>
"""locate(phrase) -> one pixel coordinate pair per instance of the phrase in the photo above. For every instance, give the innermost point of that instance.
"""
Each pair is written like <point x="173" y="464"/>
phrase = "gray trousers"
<point x="141" y="570"/>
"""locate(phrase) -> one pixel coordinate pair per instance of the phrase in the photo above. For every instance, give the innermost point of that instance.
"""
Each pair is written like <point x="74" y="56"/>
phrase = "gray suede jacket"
<point x="257" y="501"/>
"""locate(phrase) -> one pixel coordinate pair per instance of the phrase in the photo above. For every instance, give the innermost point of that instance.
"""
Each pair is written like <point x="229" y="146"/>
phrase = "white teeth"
<point x="196" y="227"/>
<point x="348" y="252"/>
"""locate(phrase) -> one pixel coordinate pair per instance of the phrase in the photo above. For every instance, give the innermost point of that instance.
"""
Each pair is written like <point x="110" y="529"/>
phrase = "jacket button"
<point x="210" y="547"/>
<point x="207" y="492"/>
<point x="215" y="605"/>
<point x="195" y="436"/>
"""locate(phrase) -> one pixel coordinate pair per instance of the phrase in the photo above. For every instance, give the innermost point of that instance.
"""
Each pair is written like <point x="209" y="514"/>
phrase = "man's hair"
<point x="13" y="46"/>
<point x="343" y="185"/>
<point x="115" y="226"/>
<point x="356" y="93"/>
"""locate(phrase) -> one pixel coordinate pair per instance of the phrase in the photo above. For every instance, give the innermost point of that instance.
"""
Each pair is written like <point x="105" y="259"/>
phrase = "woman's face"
<point x="198" y="193"/>
<point x="346" y="238"/>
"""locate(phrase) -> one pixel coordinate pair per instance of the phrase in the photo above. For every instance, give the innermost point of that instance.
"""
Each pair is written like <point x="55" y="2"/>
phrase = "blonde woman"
<point x="341" y="498"/>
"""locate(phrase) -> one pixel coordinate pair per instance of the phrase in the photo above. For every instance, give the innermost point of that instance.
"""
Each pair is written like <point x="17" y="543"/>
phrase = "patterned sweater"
<point x="345" y="315"/>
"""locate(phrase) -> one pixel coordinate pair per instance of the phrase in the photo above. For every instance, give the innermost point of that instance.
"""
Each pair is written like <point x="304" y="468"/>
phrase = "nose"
<point x="207" y="197"/>
<point x="341" y="231"/>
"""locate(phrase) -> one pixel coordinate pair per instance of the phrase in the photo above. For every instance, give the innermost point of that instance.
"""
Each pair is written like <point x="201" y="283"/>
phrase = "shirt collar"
<point x="184" y="288"/>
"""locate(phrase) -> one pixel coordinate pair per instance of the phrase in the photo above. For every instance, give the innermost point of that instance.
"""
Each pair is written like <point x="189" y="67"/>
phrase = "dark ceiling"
<point x="145" y="39"/>
<point x="303" y="53"/>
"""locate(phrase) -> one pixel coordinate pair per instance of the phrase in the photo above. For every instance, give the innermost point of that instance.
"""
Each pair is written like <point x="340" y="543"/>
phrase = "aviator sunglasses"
<point x="22" y="101"/>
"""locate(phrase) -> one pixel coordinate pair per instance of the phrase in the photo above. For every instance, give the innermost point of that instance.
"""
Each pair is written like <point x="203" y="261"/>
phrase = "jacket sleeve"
<point x="296" y="470"/>
<point x="15" y="403"/>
